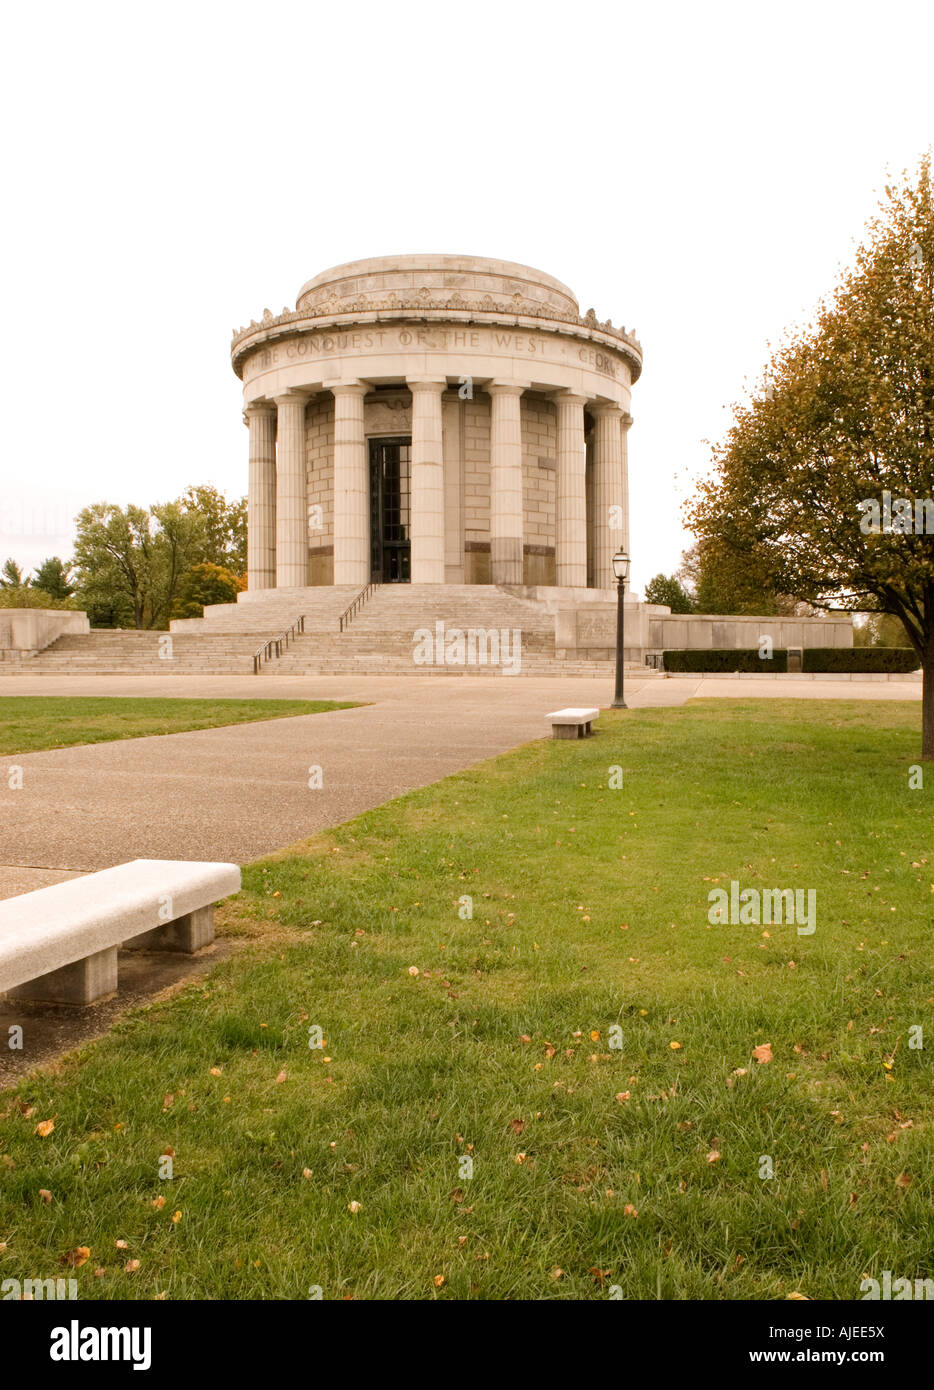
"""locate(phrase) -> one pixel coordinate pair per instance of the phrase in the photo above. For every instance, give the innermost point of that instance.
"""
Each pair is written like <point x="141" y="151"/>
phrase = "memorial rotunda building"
<point x="437" y="484"/>
<point x="436" y="420"/>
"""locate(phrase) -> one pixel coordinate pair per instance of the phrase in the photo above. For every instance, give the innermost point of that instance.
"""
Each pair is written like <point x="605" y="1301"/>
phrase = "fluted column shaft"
<point x="608" y="499"/>
<point x="625" y="424"/>
<point x="261" y="498"/>
<point x="506" y="530"/>
<point x="351" y="486"/>
<point x="291" y="504"/>
<point x="571" y="495"/>
<point x="427" y="500"/>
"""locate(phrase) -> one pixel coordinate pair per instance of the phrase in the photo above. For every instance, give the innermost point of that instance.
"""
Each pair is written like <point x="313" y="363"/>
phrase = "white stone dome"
<point x="375" y="278"/>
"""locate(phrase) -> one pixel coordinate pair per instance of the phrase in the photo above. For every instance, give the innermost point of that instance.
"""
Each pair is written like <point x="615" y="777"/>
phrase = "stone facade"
<point x="496" y="411"/>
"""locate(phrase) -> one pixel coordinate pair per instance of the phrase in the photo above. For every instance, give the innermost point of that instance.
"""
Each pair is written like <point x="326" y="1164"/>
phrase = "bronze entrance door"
<point x="390" y="543"/>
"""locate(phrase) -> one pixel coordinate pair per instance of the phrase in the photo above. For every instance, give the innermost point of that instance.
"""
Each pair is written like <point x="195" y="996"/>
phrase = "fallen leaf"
<point x="131" y="1266"/>
<point x="76" y="1258"/>
<point x="517" y="1126"/>
<point x="44" y="1128"/>
<point x="713" y="1156"/>
<point x="45" y="1194"/>
<point x="438" y="1280"/>
<point x="629" y="1210"/>
<point x="158" y="1203"/>
<point x="763" y="1053"/>
<point x="674" y="1046"/>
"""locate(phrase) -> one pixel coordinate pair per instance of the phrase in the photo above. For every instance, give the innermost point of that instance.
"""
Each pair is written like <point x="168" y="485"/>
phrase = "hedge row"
<point x="859" y="660"/>
<point x="727" y="659"/>
<point x="865" y="660"/>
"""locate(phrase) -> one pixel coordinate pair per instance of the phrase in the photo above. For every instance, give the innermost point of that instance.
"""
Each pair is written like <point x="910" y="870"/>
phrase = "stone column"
<point x="505" y="482"/>
<point x="427" y="500"/>
<point x="625" y="424"/>
<point x="261" y="497"/>
<point x="608" y="512"/>
<point x="351" y="486"/>
<point x="291" y="505"/>
<point x="570" y="493"/>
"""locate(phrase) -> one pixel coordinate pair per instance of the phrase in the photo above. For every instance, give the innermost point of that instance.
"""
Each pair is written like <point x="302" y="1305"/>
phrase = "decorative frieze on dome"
<point x="329" y="307"/>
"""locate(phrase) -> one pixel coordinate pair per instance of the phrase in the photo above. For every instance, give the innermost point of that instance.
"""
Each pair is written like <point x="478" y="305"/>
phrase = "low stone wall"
<point x="26" y="631"/>
<point x="588" y="629"/>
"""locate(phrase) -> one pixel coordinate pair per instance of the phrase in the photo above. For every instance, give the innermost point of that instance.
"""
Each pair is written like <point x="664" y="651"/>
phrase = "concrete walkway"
<point x="238" y="792"/>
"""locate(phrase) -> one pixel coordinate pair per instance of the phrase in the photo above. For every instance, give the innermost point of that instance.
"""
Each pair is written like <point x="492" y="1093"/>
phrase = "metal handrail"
<point x="357" y="604"/>
<point x="264" y="653"/>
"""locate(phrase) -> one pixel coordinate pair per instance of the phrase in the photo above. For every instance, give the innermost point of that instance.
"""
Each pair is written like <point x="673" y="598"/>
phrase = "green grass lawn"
<point x="30" y="723"/>
<point x="592" y="1166"/>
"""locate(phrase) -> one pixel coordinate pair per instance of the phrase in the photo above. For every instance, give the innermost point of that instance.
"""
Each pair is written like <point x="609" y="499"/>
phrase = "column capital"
<point x="293" y="398"/>
<point x="606" y="410"/>
<point x="567" y="397"/>
<point x="626" y="420"/>
<point x="426" y="383"/>
<point x="258" y="410"/>
<point x="349" y="386"/>
<point x="506" y="388"/>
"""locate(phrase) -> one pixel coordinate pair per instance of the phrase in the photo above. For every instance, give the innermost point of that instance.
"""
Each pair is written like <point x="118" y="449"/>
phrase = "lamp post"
<point x="621" y="571"/>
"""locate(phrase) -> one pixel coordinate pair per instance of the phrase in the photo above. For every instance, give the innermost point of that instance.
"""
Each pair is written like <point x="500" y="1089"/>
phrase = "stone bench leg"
<point x="84" y="982"/>
<point x="188" y="934"/>
<point x="570" y="730"/>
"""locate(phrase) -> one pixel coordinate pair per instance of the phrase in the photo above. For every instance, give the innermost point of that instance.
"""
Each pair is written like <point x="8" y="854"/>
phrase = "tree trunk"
<point x="927" y="704"/>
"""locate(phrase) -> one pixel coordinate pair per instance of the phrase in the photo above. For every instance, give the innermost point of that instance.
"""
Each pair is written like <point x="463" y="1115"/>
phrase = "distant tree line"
<point x="141" y="566"/>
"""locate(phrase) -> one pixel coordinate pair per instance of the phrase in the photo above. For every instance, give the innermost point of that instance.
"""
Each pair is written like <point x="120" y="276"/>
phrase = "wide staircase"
<point x="385" y="635"/>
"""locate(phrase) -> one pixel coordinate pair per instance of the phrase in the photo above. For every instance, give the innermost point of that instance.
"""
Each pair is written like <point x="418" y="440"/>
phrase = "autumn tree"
<point x="202" y="584"/>
<point x="822" y="479"/>
<point x="721" y="581"/>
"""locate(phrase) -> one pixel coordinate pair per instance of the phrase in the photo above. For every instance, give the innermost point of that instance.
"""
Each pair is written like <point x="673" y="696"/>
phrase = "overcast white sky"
<point x="696" y="172"/>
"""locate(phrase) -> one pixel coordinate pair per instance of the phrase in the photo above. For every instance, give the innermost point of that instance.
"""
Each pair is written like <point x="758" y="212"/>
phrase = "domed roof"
<point x="406" y="275"/>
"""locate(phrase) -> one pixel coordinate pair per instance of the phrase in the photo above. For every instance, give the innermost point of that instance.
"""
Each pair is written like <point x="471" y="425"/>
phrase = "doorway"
<point x="390" y="510"/>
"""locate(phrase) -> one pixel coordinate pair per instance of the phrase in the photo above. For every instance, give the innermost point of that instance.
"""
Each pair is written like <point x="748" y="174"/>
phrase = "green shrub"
<point x="727" y="659"/>
<point x="33" y="598"/>
<point x="864" y="660"/>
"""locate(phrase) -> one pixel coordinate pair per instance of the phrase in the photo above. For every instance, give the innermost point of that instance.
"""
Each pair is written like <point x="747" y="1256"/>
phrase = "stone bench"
<point x="572" y="723"/>
<point x="59" y="944"/>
